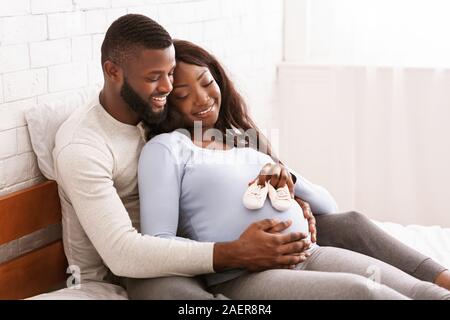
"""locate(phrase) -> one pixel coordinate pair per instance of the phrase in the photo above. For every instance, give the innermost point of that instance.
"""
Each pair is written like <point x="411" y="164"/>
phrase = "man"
<point x="96" y="156"/>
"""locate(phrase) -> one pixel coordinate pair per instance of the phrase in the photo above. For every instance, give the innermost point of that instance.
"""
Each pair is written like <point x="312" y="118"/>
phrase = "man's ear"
<point x="112" y="71"/>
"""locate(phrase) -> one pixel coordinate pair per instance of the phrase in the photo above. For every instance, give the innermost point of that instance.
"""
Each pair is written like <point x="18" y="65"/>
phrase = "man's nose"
<point x="165" y="85"/>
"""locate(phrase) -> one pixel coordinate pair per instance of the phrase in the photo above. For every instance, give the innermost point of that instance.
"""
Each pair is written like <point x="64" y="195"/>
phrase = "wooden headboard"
<point x="24" y="215"/>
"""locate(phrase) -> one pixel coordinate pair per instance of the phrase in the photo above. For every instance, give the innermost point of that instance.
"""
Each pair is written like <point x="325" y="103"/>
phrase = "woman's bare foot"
<point x="443" y="279"/>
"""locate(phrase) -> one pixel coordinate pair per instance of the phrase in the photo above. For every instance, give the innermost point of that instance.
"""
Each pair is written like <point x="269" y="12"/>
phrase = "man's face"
<point x="147" y="82"/>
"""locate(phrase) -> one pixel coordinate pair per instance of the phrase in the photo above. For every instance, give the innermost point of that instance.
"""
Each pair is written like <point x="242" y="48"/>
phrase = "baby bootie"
<point x="255" y="196"/>
<point x="280" y="198"/>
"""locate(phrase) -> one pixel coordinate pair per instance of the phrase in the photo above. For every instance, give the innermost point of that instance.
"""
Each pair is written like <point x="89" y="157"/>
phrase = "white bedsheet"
<point x="87" y="291"/>
<point x="432" y="241"/>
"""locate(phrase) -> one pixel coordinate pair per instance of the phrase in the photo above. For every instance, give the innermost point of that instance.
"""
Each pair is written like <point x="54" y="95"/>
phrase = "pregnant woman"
<point x="192" y="181"/>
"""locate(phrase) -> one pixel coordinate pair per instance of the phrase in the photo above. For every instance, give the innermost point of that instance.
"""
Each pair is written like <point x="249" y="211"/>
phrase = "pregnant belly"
<point x="294" y="213"/>
<point x="228" y="225"/>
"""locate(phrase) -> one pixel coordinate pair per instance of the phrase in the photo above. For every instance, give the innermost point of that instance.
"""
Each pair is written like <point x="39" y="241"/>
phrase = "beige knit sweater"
<point x="96" y="160"/>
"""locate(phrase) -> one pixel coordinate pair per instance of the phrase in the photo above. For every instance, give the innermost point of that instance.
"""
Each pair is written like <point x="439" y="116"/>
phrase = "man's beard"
<point x="142" y="108"/>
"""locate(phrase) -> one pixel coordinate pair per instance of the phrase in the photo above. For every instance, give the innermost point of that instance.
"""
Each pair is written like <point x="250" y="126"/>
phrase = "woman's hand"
<point x="277" y="175"/>
<point x="308" y="216"/>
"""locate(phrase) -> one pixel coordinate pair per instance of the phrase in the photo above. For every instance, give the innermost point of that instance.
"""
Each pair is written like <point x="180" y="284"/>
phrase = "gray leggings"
<point x="351" y="230"/>
<point x="332" y="273"/>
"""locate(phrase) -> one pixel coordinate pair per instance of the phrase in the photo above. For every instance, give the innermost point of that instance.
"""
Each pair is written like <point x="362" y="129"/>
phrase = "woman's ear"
<point x="112" y="71"/>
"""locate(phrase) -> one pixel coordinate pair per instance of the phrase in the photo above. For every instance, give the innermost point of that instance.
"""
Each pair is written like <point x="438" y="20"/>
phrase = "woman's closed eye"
<point x="208" y="84"/>
<point x="180" y="96"/>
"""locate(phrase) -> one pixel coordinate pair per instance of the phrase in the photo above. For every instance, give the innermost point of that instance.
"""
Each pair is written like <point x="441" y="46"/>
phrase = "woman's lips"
<point x="205" y="112"/>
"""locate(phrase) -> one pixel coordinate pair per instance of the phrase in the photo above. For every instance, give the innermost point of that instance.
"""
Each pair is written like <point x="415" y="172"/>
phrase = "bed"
<point x="32" y="260"/>
<point x="33" y="264"/>
<point x="432" y="241"/>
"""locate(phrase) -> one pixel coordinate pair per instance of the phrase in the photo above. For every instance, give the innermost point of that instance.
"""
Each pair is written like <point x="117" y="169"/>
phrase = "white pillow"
<point x="44" y="121"/>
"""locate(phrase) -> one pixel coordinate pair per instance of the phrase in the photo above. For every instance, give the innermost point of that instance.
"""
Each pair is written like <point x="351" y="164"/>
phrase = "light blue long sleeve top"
<point x="193" y="193"/>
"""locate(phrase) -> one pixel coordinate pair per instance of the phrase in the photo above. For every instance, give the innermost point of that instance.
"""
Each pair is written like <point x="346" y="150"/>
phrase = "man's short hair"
<point x="131" y="32"/>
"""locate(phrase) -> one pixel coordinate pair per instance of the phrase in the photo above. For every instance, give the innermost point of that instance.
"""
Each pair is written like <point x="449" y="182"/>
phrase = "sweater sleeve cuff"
<point x="202" y="257"/>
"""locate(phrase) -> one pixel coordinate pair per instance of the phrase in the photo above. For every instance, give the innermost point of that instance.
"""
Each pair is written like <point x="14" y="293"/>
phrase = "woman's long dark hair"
<point x="233" y="109"/>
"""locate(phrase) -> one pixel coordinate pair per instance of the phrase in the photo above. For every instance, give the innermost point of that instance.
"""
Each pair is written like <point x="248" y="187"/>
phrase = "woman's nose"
<point x="202" y="99"/>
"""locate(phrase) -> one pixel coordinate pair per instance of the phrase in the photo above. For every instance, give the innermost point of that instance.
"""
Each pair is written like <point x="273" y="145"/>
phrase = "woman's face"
<point x="196" y="95"/>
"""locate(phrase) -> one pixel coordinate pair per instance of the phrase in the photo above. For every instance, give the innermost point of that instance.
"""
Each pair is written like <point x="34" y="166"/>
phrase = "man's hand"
<point x="308" y="216"/>
<point x="262" y="247"/>
<point x="277" y="175"/>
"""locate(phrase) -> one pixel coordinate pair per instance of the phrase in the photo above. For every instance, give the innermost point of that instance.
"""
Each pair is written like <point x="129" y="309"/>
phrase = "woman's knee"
<point x="342" y="229"/>
<point x="360" y="288"/>
<point x="343" y="220"/>
<point x="353" y="287"/>
<point x="353" y="219"/>
<point x="353" y="224"/>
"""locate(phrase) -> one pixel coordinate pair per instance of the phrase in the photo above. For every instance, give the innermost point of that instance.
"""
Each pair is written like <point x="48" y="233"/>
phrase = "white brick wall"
<point x="7" y="119"/>
<point x="47" y="6"/>
<point x="82" y="48"/>
<point x="23" y="140"/>
<point x="14" y="58"/>
<point x="67" y="76"/>
<point x="49" y="49"/>
<point x="8" y="143"/>
<point x="66" y="25"/>
<point x="24" y="84"/>
<point x="91" y="4"/>
<point x="51" y="52"/>
<point x="2" y="176"/>
<point x="96" y="21"/>
<point x="22" y="29"/>
<point x="1" y="91"/>
<point x="12" y="8"/>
